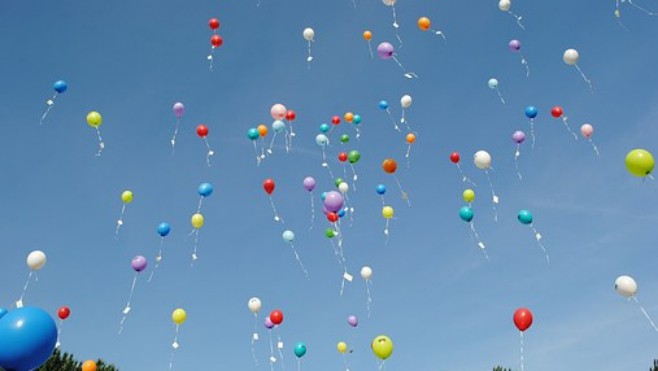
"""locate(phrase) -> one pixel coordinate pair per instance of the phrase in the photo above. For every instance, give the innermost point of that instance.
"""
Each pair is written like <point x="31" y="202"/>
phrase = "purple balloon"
<point x="138" y="263"/>
<point x="385" y="50"/>
<point x="353" y="321"/>
<point x="515" y="45"/>
<point x="179" y="109"/>
<point x="518" y="136"/>
<point x="268" y="323"/>
<point x="334" y="201"/>
<point x="309" y="183"/>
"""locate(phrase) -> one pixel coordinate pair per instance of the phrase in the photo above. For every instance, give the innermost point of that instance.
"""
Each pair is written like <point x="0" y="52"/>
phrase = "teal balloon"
<point x="466" y="214"/>
<point x="253" y="134"/>
<point x="356" y="120"/>
<point x="525" y="217"/>
<point x="324" y="128"/>
<point x="300" y="350"/>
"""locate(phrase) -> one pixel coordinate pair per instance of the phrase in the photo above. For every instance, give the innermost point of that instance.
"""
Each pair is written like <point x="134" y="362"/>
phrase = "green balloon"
<point x="640" y="162"/>
<point x="353" y="157"/>
<point x="338" y="181"/>
<point x="344" y="138"/>
<point x="329" y="233"/>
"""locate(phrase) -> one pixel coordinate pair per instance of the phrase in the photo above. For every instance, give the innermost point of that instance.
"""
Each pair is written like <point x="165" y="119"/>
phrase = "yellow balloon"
<point x="469" y="195"/>
<point x="342" y="347"/>
<point x="179" y="316"/>
<point x="94" y="119"/>
<point x="382" y="346"/>
<point x="387" y="212"/>
<point x="127" y="197"/>
<point x="640" y="162"/>
<point x="197" y="221"/>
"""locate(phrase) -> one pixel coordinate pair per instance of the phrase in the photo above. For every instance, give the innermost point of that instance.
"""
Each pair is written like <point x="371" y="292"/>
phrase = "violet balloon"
<point x="138" y="263"/>
<point x="518" y="136"/>
<point x="385" y="50"/>
<point x="179" y="109"/>
<point x="268" y="323"/>
<point x="309" y="183"/>
<point x="334" y="201"/>
<point x="353" y="321"/>
<point x="515" y="45"/>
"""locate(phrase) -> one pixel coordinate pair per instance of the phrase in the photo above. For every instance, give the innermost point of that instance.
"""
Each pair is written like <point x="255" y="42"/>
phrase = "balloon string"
<point x="407" y="156"/>
<point x="403" y="120"/>
<point x="381" y="365"/>
<point x="480" y="243"/>
<point x="386" y="231"/>
<point x="494" y="198"/>
<point x="211" y="58"/>
<point x="524" y="62"/>
<point x="299" y="364"/>
<point x="500" y="96"/>
<point x="276" y="216"/>
<point x="355" y="177"/>
<point x="337" y="255"/>
<point x="369" y="297"/>
<point x="310" y="57"/>
<point x="262" y="147"/>
<point x="516" y="160"/>
<point x="254" y="338"/>
<point x="370" y="49"/>
<point x="538" y="237"/>
<point x="126" y="310"/>
<point x="641" y="8"/>
<point x="279" y="347"/>
<point x="440" y="33"/>
<point x="174" y="345"/>
<point x="518" y="19"/>
<point x="299" y="260"/>
<point x="464" y="178"/>
<point x="326" y="164"/>
<point x="119" y="221"/>
<point x="258" y="159"/>
<point x="596" y="149"/>
<point x="269" y="150"/>
<point x="272" y="358"/>
<point x="354" y="2"/>
<point x="173" y="138"/>
<point x="588" y="81"/>
<point x="646" y="314"/>
<point x="312" y="211"/>
<point x="566" y="124"/>
<point x="50" y="102"/>
<point x="288" y="140"/>
<point x="521" y="348"/>
<point x="198" y="208"/>
<point x="101" y="145"/>
<point x="395" y="18"/>
<point x="409" y="75"/>
<point x="404" y="194"/>
<point x="210" y="151"/>
<point x="59" y="333"/>
<point x="196" y="240"/>
<point x="532" y="132"/>
<point x="395" y="125"/>
<point x="158" y="259"/>
<point x="19" y="303"/>
<point x="358" y="132"/>
<point x="383" y="200"/>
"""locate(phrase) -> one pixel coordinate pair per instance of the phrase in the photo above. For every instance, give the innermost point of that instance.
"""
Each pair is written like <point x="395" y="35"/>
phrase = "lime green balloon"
<point x="640" y="162"/>
<point x="338" y="181"/>
<point x="382" y="346"/>
<point x="353" y="157"/>
<point x="469" y="195"/>
<point x="344" y="138"/>
<point x="329" y="233"/>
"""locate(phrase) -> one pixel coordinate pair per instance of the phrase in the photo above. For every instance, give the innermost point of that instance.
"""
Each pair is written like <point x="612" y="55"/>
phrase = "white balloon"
<point x="493" y="83"/>
<point x="278" y="126"/>
<point x="343" y="187"/>
<point x="278" y="111"/>
<point x="625" y="286"/>
<point x="321" y="140"/>
<point x="389" y="2"/>
<point x="288" y="236"/>
<point x="308" y="34"/>
<point x="254" y="305"/>
<point x="571" y="56"/>
<point x="36" y="260"/>
<point x="366" y="272"/>
<point x="482" y="160"/>
<point x="504" y="5"/>
<point x="405" y="101"/>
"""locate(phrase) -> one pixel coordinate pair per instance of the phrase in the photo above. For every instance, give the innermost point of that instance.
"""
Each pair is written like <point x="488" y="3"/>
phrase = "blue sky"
<point x="445" y="307"/>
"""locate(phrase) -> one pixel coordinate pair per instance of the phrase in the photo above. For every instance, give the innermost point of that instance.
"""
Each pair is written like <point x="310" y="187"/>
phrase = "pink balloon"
<point x="278" y="111"/>
<point x="587" y="130"/>
<point x="179" y="109"/>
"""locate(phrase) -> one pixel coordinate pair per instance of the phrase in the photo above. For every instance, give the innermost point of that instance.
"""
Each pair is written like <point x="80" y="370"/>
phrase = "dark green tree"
<point x="65" y="362"/>
<point x="500" y="368"/>
<point x="655" y="365"/>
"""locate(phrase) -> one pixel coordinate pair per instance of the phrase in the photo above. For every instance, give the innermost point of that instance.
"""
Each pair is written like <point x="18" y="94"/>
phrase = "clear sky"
<point x="444" y="305"/>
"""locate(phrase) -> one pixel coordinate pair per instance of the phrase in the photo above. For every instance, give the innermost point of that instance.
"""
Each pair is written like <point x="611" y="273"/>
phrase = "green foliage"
<point x="655" y="365"/>
<point x="65" y="362"/>
<point x="500" y="368"/>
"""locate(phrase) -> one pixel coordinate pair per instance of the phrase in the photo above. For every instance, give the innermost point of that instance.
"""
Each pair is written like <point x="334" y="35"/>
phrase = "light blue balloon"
<point x="28" y="337"/>
<point x="300" y="349"/>
<point x="278" y="126"/>
<point x="356" y="120"/>
<point x="60" y="86"/>
<point x="288" y="236"/>
<point x="323" y="195"/>
<point x="525" y="217"/>
<point x="383" y="104"/>
<point x="341" y="213"/>
<point x="321" y="140"/>
<point x="164" y="229"/>
<point x="466" y="214"/>
<point x="531" y="112"/>
<point x="381" y="189"/>
<point x="324" y="128"/>
<point x="253" y="134"/>
<point x="205" y="189"/>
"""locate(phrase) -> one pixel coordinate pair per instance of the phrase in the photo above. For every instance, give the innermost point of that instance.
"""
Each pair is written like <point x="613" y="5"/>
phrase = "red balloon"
<point x="268" y="186"/>
<point x="557" y="111"/>
<point x="335" y="120"/>
<point x="213" y="23"/>
<point x="63" y="313"/>
<point x="332" y="217"/>
<point x="202" y="130"/>
<point x="276" y="316"/>
<point x="290" y="115"/>
<point x="342" y="157"/>
<point x="216" y="41"/>
<point x="522" y="319"/>
<point x="454" y="157"/>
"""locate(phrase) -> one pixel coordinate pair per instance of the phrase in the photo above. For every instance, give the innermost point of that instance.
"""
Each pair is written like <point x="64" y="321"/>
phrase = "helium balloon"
<point x="215" y="42"/>
<point x="63" y="312"/>
<point x="504" y="6"/>
<point x="126" y="198"/>
<point x="254" y="305"/>
<point x="424" y="24"/>
<point x="344" y="138"/>
<point x="329" y="233"/>
<point x="352" y="321"/>
<point x="386" y="51"/>
<point x="525" y="217"/>
<point x="60" y="87"/>
<point x="354" y="156"/>
<point x="278" y="111"/>
<point x="94" y="119"/>
<point x="288" y="236"/>
<point x="202" y="131"/>
<point x="343" y="188"/>
<point x="380" y="189"/>
<point x="28" y="338"/>
<point x="468" y="195"/>
<point x="300" y="350"/>
<point x="197" y="221"/>
<point x="518" y="137"/>
<point x="179" y="316"/>
<point x="268" y="186"/>
<point x="522" y="319"/>
<point x="268" y="323"/>
<point x="276" y="316"/>
<point x="213" y="23"/>
<point x="309" y="35"/>
<point x="138" y="263"/>
<point x="382" y="347"/>
<point x="36" y="260"/>
<point x="321" y="140"/>
<point x="366" y="273"/>
<point x="570" y="58"/>
<point x="205" y="189"/>
<point x="367" y="35"/>
<point x="342" y="347"/>
<point x="333" y="201"/>
<point x="466" y="214"/>
<point x="309" y="183"/>
<point x="332" y="217"/>
<point x="389" y="165"/>
<point x="493" y="85"/>
<point x="387" y="212"/>
<point x="89" y="365"/>
<point x="640" y="162"/>
<point x="626" y="286"/>
<point x="253" y="133"/>
<point x="482" y="160"/>
<point x="586" y="130"/>
<point x="515" y="46"/>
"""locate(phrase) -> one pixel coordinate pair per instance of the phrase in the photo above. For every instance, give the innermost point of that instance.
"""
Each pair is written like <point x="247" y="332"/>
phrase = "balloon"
<point x="278" y="126"/>
<point x="309" y="183"/>
<point x="268" y="323"/>
<point x="60" y="86"/>
<point x="492" y="83"/>
<point x="179" y="110"/>
<point x="323" y="196"/>
<point x="522" y="319"/>
<point x="557" y="111"/>
<point x="382" y="346"/>
<point x="254" y="305"/>
<point x="36" y="260"/>
<point x="268" y="186"/>
<point x="300" y="350"/>
<point x="291" y="115"/>
<point x="367" y="35"/>
<point x="482" y="160"/>
<point x="389" y="2"/>
<point x="321" y="140"/>
<point x="411" y="138"/>
<point x="197" y="221"/>
<point x="406" y="101"/>
<point x="333" y="201"/>
<point x="3" y="311"/>
<point x="288" y="236"/>
<point x="354" y="156"/>
<point x="138" y="263"/>
<point x="381" y="189"/>
<point x="587" y="130"/>
<point x="343" y="188"/>
<point x="324" y="128"/>
<point x="531" y="112"/>
<point x="342" y="347"/>
<point x="94" y="119"/>
<point x="63" y="312"/>
<point x="366" y="272"/>
<point x="349" y="117"/>
<point x="385" y="51"/>
<point x="466" y="214"/>
<point x="357" y="119"/>
<point x="342" y="157"/>
<point x="335" y="119"/>
<point x="213" y="23"/>
<point x="89" y="365"/>
<point x="276" y="316"/>
<point x="515" y="45"/>
<point x="469" y="195"/>
<point x="262" y="130"/>
<point x="424" y="23"/>
<point x="626" y="286"/>
<point x="28" y="338"/>
<point x="179" y="316"/>
<point x="308" y="34"/>
<point x="216" y="41"/>
<point x="640" y="162"/>
<point x="454" y="157"/>
<point x="571" y="57"/>
<point x="329" y="233"/>
<point x="205" y="189"/>
<point x="164" y="229"/>
<point x="518" y="137"/>
<point x="352" y="321"/>
<point x="504" y="5"/>
<point x="383" y="104"/>
<point x="525" y="217"/>
<point x="389" y="165"/>
<point x="202" y="130"/>
<point x="127" y="197"/>
<point x="253" y="133"/>
<point x="332" y="217"/>
<point x="278" y="111"/>
<point x="337" y="182"/>
<point x="387" y="212"/>
<point x="344" y="138"/>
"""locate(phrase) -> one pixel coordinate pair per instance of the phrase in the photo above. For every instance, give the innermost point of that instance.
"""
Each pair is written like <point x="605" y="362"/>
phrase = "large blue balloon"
<point x="205" y="189"/>
<point x="27" y="339"/>
<point x="466" y="213"/>
<point x="531" y="112"/>
<point x="164" y="229"/>
<point x="60" y="86"/>
<point x="3" y="311"/>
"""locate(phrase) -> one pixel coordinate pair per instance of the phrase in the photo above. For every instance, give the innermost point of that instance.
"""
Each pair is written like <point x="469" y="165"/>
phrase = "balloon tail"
<point x="346" y="278"/>
<point x="403" y="194"/>
<point x="19" y="302"/>
<point x="502" y="100"/>
<point x="269" y="150"/>
<point x="641" y="8"/>
<point x="312" y="212"/>
<point x="258" y="157"/>
<point x="158" y="259"/>
<point x="383" y="200"/>
<point x="566" y="124"/>
<point x="524" y="62"/>
<point x="254" y="339"/>
<point x="276" y="216"/>
<point x="127" y="309"/>
<point x="174" y="346"/>
<point x="588" y="81"/>
<point x="173" y="138"/>
<point x="395" y="125"/>
<point x="50" y="102"/>
<point x="210" y="151"/>
<point x="653" y="324"/>
<point x="532" y="132"/>
<point x="310" y="57"/>
<point x="370" y="49"/>
<point x="395" y="19"/>
<point x="409" y="75"/>
<point x="596" y="149"/>
<point x="59" y="333"/>
<point x="464" y="178"/>
<point x="101" y="144"/>
<point x="440" y="33"/>
<point x="279" y="347"/>
<point x="518" y="19"/>
<point x="495" y="199"/>
<point x="477" y="238"/>
<point x="299" y="260"/>
<point x="407" y="156"/>
<point x="521" y="348"/>
<point x="196" y="240"/>
<point x="516" y="160"/>
<point x="119" y="221"/>
<point x="326" y="164"/>
<point x="354" y="2"/>
<point x="272" y="358"/>
<point x="211" y="58"/>
<point x="355" y="177"/>
<point x="369" y="298"/>
<point x="538" y="237"/>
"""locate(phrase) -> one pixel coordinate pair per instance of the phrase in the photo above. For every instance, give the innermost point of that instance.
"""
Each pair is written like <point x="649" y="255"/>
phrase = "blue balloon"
<point x="60" y="86"/>
<point x="3" y="311"/>
<point x="323" y="195"/>
<point x="341" y="213"/>
<point x="531" y="112"/>
<point x="300" y="350"/>
<point x="324" y="128"/>
<point x="205" y="189"/>
<point x="253" y="134"/>
<point x="466" y="213"/>
<point x="164" y="229"/>
<point x="381" y="189"/>
<point x="28" y="339"/>
<point x="383" y="104"/>
<point x="356" y="120"/>
<point x="525" y="217"/>
<point x="278" y="126"/>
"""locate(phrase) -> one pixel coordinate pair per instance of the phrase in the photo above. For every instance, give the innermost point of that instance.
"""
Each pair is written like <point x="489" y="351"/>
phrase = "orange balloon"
<point x="424" y="23"/>
<point x="349" y="116"/>
<point x="411" y="138"/>
<point x="367" y="35"/>
<point x="389" y="165"/>
<point x="89" y="366"/>
<point x="262" y="130"/>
